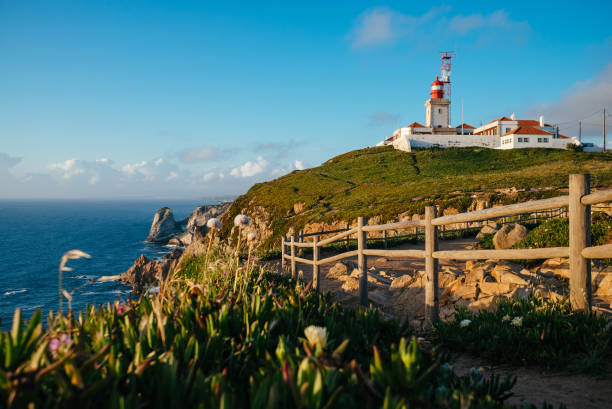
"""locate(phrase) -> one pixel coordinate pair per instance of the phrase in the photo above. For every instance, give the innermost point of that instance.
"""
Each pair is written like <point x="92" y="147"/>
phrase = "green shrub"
<point x="533" y="332"/>
<point x="233" y="338"/>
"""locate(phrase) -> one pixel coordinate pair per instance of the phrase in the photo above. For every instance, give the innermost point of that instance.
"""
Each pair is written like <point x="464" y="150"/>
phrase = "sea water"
<point x="34" y="234"/>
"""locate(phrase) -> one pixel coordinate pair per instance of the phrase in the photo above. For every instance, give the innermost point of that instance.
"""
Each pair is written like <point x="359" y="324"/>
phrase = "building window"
<point x="539" y="140"/>
<point x="439" y="110"/>
<point x="507" y="130"/>
<point x="525" y="139"/>
<point x="520" y="140"/>
<point x="545" y="140"/>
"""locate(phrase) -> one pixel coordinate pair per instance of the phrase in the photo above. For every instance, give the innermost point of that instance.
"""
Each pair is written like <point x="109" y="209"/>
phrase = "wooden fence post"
<point x="293" y="272"/>
<point x="431" y="268"/>
<point x="362" y="262"/>
<point x="579" y="238"/>
<point x="348" y="227"/>
<point x="315" y="266"/>
<point x="283" y="238"/>
<point x="385" y="238"/>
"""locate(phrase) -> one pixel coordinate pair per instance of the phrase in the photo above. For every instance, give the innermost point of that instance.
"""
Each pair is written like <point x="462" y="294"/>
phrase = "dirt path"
<point x="535" y="385"/>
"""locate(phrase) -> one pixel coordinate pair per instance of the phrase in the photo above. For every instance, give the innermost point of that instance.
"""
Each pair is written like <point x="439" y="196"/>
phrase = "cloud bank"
<point x="158" y="177"/>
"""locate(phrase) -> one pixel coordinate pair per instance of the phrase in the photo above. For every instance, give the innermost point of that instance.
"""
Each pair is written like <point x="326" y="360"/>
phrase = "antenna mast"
<point x="445" y="71"/>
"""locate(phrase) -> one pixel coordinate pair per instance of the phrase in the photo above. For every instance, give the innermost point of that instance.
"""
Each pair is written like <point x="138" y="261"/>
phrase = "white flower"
<point x="316" y="335"/>
<point x="517" y="321"/>
<point x="241" y="221"/>
<point x="213" y="223"/>
<point x="251" y="236"/>
<point x="465" y="323"/>
<point x="506" y="318"/>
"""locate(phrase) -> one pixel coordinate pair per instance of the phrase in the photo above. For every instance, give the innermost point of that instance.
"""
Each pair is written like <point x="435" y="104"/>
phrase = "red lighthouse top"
<point x="437" y="90"/>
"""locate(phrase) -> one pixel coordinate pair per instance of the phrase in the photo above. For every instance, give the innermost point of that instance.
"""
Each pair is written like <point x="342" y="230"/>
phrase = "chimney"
<point x="541" y="120"/>
<point x="513" y="116"/>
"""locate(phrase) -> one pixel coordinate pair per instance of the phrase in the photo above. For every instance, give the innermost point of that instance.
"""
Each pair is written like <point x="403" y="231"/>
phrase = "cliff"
<point x="384" y="184"/>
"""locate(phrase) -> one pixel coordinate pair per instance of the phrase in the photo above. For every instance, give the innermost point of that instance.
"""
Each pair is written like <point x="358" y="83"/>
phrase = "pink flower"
<point x="54" y="345"/>
<point x="121" y="308"/>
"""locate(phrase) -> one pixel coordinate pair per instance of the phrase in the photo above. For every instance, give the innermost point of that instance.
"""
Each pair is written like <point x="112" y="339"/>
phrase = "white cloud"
<point x="383" y="25"/>
<point x="154" y="170"/>
<point x="68" y="168"/>
<point x="250" y="168"/>
<point x="499" y="20"/>
<point x="376" y="26"/>
<point x="583" y="100"/>
<point x="295" y="165"/>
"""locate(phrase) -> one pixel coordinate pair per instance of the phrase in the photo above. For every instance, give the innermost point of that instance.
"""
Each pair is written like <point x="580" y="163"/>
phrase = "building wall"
<point x="436" y="119"/>
<point x="512" y="142"/>
<point x="453" y="140"/>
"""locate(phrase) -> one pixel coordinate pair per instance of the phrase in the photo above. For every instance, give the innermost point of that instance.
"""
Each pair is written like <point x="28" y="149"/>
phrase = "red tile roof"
<point x="503" y="118"/>
<point x="527" y="130"/>
<point x="415" y="125"/>
<point x="528" y="122"/>
<point x="466" y="126"/>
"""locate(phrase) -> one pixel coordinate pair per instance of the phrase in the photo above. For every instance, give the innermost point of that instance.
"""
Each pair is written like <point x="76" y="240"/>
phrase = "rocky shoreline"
<point x="165" y="230"/>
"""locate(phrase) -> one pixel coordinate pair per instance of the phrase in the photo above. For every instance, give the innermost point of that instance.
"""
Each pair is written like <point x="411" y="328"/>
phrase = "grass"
<point x="231" y="336"/>
<point x="549" y="335"/>
<point x="385" y="182"/>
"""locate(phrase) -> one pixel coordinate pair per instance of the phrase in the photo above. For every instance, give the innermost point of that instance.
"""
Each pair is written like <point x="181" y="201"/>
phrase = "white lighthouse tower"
<point x="437" y="113"/>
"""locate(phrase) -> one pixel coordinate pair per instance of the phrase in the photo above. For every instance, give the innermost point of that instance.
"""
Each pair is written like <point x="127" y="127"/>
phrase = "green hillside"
<point x="383" y="181"/>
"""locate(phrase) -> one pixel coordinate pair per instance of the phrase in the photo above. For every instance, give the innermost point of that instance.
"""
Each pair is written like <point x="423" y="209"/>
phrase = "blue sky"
<point x="134" y="99"/>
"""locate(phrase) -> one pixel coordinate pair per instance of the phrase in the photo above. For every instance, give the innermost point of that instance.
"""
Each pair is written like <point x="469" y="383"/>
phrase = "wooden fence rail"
<point x="580" y="251"/>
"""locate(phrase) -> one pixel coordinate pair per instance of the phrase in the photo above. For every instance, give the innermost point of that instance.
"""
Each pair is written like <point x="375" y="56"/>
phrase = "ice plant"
<point x="316" y="336"/>
<point x="465" y="323"/>
<point x="517" y="321"/>
<point x="69" y="255"/>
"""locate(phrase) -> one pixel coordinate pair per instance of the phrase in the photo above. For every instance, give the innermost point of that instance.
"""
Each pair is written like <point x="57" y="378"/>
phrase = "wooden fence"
<point x="419" y="231"/>
<point x="580" y="251"/>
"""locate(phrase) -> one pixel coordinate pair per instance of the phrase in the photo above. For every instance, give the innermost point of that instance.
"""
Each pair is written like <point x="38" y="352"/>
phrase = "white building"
<point x="501" y="133"/>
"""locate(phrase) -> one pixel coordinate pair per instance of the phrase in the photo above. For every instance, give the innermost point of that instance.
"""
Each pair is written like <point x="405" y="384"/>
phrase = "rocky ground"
<point x="397" y="285"/>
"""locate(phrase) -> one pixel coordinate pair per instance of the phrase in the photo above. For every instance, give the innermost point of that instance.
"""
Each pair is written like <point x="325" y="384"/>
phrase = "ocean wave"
<point x="12" y="292"/>
<point x="115" y="292"/>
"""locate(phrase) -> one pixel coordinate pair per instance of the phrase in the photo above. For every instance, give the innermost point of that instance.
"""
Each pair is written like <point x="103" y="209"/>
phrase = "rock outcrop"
<point x="145" y="272"/>
<point x="164" y="227"/>
<point x="166" y="230"/>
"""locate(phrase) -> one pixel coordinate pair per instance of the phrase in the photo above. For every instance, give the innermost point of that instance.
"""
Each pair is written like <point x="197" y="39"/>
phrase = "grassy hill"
<point x="383" y="181"/>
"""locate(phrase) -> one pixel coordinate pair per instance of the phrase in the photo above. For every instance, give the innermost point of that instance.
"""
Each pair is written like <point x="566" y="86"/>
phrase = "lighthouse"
<point x="437" y="107"/>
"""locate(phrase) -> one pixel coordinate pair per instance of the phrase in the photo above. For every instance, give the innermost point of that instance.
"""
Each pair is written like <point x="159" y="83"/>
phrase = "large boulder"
<point x="164" y="227"/>
<point x="509" y="235"/>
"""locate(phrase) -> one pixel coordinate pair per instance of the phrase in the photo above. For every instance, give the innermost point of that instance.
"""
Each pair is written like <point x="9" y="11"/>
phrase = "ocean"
<point x="35" y="234"/>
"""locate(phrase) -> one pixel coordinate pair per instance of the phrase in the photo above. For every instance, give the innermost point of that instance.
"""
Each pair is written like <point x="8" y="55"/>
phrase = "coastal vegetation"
<point x="532" y="331"/>
<point x="385" y="182"/>
<point x="229" y="333"/>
